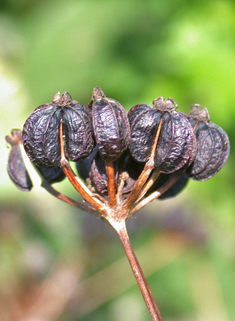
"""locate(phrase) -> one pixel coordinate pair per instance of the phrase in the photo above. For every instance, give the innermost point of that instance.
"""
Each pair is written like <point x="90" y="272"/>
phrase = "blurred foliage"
<point x="135" y="51"/>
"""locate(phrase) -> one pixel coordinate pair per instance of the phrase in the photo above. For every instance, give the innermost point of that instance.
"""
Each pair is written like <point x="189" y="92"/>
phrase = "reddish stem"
<point x="68" y="200"/>
<point x="136" y="191"/>
<point x="120" y="228"/>
<point x="75" y="180"/>
<point x="157" y="193"/>
<point x="111" y="183"/>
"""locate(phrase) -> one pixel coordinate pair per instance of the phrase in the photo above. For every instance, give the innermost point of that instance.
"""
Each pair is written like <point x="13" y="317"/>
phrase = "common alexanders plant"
<point x="123" y="162"/>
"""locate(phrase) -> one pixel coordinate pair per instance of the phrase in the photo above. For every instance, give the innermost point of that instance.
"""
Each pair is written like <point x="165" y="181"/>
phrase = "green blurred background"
<point x="58" y="263"/>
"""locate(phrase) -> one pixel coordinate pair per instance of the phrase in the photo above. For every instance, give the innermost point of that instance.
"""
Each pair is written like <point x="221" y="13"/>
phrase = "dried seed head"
<point x="176" y="140"/>
<point x="212" y="145"/>
<point x="178" y="146"/>
<point x="15" y="166"/>
<point x="110" y="125"/>
<point x="41" y="132"/>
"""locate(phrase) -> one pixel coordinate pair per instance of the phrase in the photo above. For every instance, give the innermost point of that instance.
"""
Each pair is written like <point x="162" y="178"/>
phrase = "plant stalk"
<point x="75" y="180"/>
<point x="111" y="183"/>
<point x="157" y="193"/>
<point x="46" y="185"/>
<point x="149" y="166"/>
<point x="120" y="228"/>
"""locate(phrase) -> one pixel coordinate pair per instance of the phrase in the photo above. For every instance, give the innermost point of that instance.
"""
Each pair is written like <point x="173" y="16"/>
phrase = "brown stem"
<point x="46" y="185"/>
<point x="75" y="180"/>
<point x="111" y="183"/>
<point x="120" y="228"/>
<point x="154" y="176"/>
<point x="195" y="125"/>
<point x="68" y="200"/>
<point x="134" y="195"/>
<point x="122" y="179"/>
<point x="157" y="193"/>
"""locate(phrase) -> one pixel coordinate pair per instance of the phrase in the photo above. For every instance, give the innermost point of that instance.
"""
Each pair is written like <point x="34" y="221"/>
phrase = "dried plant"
<point x="126" y="161"/>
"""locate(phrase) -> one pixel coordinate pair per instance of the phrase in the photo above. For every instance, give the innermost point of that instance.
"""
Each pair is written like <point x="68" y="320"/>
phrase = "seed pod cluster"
<point x="176" y="141"/>
<point x="101" y="136"/>
<point x="212" y="145"/>
<point x="41" y="132"/>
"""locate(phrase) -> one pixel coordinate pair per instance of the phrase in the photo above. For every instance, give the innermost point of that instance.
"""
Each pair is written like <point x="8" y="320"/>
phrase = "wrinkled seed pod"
<point x="212" y="145"/>
<point x="176" y="140"/>
<point x="77" y="130"/>
<point x="144" y="121"/>
<point x="41" y="131"/>
<point x="36" y="131"/>
<point x="110" y="125"/>
<point x="15" y="166"/>
<point x="177" y="134"/>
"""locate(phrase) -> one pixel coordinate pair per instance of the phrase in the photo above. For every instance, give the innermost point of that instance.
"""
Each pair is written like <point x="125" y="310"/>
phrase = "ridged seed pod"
<point x="176" y="141"/>
<point x="144" y="121"/>
<point x="212" y="145"/>
<point x="41" y="132"/>
<point x="110" y="125"/>
<point x="15" y="166"/>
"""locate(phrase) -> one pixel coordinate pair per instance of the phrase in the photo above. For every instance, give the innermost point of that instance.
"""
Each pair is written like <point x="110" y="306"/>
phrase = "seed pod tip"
<point x="97" y="93"/>
<point x="56" y="98"/>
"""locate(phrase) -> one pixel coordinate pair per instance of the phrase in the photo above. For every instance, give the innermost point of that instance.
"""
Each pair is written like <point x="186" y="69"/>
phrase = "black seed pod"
<point x="144" y="121"/>
<point x="41" y="132"/>
<point x="132" y="170"/>
<point x="98" y="175"/>
<point x="15" y="166"/>
<point x="174" y="190"/>
<point x="176" y="141"/>
<point x="212" y="145"/>
<point x="84" y="166"/>
<point x="110" y="125"/>
<point x="52" y="174"/>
